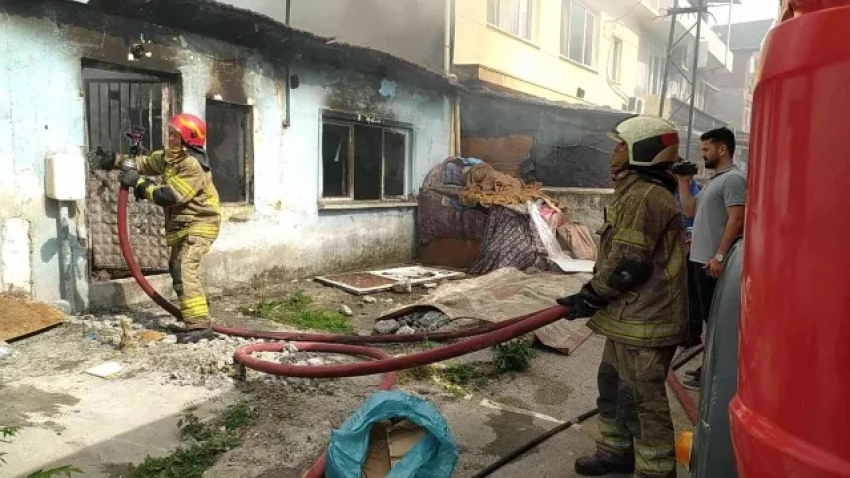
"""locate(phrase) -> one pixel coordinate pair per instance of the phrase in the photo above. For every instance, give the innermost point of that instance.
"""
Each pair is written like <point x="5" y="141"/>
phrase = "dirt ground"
<point x="101" y="425"/>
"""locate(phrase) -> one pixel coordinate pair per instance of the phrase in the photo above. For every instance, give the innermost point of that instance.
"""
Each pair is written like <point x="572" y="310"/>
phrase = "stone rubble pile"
<point x="417" y="321"/>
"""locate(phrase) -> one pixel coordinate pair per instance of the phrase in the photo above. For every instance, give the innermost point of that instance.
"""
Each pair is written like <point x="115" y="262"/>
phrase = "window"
<point x="512" y="16"/>
<point x="229" y="146"/>
<point x="578" y="33"/>
<point x="117" y="99"/>
<point x="364" y="162"/>
<point x="655" y="75"/>
<point x="615" y="67"/>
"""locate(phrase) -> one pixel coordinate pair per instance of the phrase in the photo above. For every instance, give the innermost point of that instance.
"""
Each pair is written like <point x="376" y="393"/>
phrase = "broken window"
<point x="230" y="150"/>
<point x="116" y="100"/>
<point x="364" y="162"/>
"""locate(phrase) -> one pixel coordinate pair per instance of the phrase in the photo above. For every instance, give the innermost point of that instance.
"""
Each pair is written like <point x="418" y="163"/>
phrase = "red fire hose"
<point x="475" y="339"/>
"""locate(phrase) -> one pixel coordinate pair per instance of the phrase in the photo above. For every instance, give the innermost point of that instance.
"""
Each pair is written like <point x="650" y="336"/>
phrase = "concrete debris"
<point x="5" y="350"/>
<point x="385" y="327"/>
<point x="403" y="287"/>
<point x="315" y="362"/>
<point x="420" y="320"/>
<point x="105" y="370"/>
<point x="406" y="330"/>
<point x="346" y="310"/>
<point x="369" y="299"/>
<point x="208" y="363"/>
<point x="430" y="285"/>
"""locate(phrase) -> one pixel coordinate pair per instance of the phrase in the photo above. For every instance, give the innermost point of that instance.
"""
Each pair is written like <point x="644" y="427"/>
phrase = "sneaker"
<point x="600" y="464"/>
<point x="692" y="384"/>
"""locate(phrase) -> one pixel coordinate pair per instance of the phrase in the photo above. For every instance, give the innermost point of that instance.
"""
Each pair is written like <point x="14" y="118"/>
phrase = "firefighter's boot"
<point x="600" y="464"/>
<point x="192" y="335"/>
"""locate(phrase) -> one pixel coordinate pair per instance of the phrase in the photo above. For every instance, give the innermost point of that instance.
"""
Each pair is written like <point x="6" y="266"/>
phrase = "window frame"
<point x="493" y="20"/>
<point x="351" y="121"/>
<point x="659" y="59"/>
<point x="246" y="185"/>
<point x="566" y="33"/>
<point x="615" y="65"/>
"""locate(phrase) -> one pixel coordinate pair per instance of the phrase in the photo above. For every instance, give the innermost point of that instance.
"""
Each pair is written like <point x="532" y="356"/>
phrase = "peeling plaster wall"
<point x="42" y="46"/>
<point x="294" y="237"/>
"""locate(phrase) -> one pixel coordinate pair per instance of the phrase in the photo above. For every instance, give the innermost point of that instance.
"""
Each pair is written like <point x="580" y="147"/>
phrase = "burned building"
<point x="317" y="146"/>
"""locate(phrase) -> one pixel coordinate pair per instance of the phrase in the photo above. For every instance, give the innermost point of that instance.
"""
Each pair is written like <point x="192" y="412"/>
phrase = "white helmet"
<point x="651" y="140"/>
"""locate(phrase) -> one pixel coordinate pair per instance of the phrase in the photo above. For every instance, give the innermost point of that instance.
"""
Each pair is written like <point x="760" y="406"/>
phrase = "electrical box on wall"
<point x="65" y="175"/>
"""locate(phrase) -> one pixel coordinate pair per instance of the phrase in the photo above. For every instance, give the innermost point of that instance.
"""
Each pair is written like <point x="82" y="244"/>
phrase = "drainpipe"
<point x="288" y="102"/>
<point x="447" y="40"/>
<point x="68" y="289"/>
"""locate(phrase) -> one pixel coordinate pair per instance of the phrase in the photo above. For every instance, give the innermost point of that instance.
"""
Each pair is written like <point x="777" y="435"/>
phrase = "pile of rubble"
<point x="423" y="320"/>
<point x="147" y="348"/>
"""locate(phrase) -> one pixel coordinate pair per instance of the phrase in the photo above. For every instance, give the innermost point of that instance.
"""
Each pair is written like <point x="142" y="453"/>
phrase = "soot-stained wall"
<point x="42" y="49"/>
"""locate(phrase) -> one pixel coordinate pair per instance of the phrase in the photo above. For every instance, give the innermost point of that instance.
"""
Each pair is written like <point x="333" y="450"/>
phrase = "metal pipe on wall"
<point x="694" y="78"/>
<point x="667" y="60"/>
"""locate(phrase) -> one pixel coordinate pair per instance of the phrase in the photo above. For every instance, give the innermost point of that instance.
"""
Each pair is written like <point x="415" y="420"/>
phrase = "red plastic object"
<point x="790" y="417"/>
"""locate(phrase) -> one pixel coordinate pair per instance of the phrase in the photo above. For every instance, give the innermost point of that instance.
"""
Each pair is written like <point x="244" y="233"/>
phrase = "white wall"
<point x="41" y="108"/>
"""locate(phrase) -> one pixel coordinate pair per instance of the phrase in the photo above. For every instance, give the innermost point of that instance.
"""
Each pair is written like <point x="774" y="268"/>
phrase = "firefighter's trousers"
<point x="634" y="414"/>
<point x="186" y="255"/>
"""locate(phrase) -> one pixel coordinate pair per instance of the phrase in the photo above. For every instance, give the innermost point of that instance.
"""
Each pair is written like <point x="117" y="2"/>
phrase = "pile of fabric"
<point x="487" y="187"/>
<point x="478" y="203"/>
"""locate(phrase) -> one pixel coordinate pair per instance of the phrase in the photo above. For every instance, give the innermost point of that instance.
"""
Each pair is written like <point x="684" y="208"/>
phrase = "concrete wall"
<point x="411" y="29"/>
<point x="570" y="145"/>
<point x="42" y="46"/>
<point x="536" y="66"/>
<point x="584" y="205"/>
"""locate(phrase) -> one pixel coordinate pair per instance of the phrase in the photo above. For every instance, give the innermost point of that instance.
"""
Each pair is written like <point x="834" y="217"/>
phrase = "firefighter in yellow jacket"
<point x="192" y="211"/>
<point x="637" y="299"/>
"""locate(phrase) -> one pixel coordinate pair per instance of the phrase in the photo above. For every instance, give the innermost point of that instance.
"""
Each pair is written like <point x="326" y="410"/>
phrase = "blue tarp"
<point x="434" y="456"/>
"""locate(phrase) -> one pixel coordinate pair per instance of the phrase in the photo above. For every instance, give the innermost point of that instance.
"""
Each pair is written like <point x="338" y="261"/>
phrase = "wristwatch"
<point x="719" y="258"/>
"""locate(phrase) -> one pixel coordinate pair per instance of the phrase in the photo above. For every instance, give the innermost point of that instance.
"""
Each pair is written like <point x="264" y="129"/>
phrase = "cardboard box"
<point x="388" y="443"/>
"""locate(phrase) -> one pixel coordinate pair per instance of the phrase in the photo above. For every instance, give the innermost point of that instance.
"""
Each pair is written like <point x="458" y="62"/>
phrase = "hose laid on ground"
<point x="475" y="339"/>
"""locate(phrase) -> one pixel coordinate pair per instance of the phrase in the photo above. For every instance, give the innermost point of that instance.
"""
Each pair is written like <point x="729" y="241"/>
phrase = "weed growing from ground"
<point x="298" y="311"/>
<point x="513" y="356"/>
<point x="205" y="442"/>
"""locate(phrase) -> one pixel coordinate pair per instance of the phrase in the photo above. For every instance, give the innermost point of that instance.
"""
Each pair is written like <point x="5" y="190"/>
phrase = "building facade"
<point x="318" y="147"/>
<point x="570" y="51"/>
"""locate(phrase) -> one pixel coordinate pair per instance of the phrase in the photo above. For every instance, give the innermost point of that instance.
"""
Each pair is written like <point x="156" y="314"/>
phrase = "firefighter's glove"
<point x="100" y="159"/>
<point x="129" y="178"/>
<point x="584" y="304"/>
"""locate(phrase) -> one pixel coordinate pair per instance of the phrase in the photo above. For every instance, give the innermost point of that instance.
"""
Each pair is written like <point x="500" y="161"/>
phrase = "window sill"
<point x="512" y="35"/>
<point x="236" y="212"/>
<point x="326" y="205"/>
<point x="580" y="65"/>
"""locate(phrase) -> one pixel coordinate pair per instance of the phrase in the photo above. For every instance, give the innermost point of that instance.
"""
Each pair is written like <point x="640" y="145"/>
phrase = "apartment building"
<point x="572" y="51"/>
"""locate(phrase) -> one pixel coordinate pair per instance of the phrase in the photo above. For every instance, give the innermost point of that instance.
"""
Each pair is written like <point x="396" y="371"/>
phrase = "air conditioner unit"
<point x="636" y="105"/>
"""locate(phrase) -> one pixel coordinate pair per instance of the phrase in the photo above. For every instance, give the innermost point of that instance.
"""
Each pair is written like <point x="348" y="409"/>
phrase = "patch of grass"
<point x="206" y="441"/>
<point x="513" y="356"/>
<point x="459" y="379"/>
<point x="298" y="311"/>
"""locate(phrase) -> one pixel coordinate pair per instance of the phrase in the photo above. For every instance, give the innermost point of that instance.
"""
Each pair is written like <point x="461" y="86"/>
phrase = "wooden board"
<point x="20" y="317"/>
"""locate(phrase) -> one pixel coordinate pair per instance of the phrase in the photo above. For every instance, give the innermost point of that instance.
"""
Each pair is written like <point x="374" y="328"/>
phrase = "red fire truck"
<point x="790" y="416"/>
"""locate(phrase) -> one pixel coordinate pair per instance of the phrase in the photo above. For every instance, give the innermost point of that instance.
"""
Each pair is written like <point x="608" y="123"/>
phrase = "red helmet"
<point x="192" y="129"/>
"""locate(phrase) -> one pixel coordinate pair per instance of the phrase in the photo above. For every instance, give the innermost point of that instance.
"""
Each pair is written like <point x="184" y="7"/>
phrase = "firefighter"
<point x="637" y="299"/>
<point x="192" y="211"/>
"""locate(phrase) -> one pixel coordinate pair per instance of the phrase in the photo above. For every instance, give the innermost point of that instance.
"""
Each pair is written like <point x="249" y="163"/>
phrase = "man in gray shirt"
<point x="718" y="212"/>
